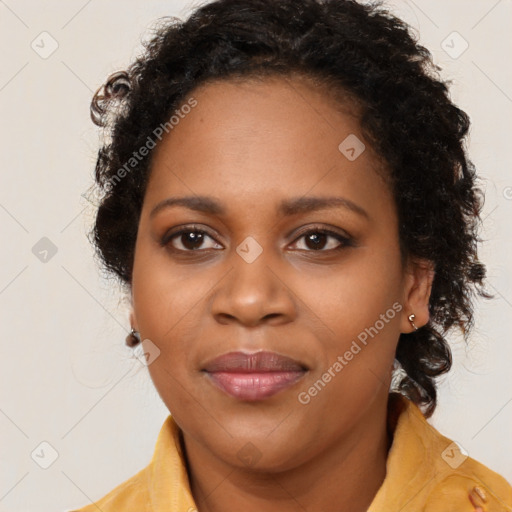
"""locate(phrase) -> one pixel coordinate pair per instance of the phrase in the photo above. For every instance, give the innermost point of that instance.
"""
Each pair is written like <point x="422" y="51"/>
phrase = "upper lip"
<point x="263" y="361"/>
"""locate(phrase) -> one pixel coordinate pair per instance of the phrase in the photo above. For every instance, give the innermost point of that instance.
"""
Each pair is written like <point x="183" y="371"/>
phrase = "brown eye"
<point x="189" y="239"/>
<point x="322" y="240"/>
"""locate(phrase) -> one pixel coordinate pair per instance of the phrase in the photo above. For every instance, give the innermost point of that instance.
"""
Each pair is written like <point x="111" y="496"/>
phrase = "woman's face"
<point x="260" y="176"/>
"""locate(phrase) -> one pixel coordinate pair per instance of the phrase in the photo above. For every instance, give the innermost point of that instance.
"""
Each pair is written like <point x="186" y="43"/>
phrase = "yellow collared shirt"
<point x="425" y="472"/>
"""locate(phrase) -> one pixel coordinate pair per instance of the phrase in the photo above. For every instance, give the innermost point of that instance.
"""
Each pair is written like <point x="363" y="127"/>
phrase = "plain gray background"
<point x="67" y="378"/>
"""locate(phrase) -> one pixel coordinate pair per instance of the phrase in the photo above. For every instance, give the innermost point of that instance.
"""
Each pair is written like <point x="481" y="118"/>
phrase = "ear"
<point x="132" y="319"/>
<point x="419" y="277"/>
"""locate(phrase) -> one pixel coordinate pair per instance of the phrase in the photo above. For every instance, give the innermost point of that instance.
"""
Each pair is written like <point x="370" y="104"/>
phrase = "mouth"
<point x="254" y="376"/>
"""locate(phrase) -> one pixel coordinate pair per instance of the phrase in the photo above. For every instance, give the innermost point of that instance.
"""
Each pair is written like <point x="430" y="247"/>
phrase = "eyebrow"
<point x="287" y="207"/>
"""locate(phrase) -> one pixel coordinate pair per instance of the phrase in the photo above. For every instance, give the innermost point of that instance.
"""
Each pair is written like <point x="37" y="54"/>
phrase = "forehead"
<point x="258" y="139"/>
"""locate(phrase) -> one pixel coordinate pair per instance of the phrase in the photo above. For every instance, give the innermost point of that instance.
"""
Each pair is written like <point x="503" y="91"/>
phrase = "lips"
<point x="253" y="376"/>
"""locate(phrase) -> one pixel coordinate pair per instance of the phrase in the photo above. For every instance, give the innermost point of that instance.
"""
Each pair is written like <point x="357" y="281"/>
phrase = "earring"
<point x="133" y="338"/>
<point x="411" y="319"/>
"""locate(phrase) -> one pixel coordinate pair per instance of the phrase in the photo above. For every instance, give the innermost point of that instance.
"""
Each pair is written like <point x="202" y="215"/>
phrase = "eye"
<point x="324" y="240"/>
<point x="192" y="238"/>
<point x="188" y="239"/>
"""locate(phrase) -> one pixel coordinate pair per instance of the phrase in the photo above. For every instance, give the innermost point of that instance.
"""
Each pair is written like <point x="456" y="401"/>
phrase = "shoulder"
<point x="161" y="485"/>
<point x="429" y="472"/>
<point x="471" y="484"/>
<point x="459" y="482"/>
<point x="130" y="496"/>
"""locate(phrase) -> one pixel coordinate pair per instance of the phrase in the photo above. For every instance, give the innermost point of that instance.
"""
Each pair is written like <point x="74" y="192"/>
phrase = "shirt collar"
<point x="169" y="486"/>
<point x="409" y="467"/>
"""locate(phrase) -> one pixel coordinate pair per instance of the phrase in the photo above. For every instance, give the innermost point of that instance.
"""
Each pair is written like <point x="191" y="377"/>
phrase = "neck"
<point x="346" y="476"/>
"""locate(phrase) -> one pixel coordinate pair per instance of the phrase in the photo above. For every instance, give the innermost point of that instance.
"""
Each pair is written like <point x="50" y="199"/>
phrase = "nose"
<point x="252" y="293"/>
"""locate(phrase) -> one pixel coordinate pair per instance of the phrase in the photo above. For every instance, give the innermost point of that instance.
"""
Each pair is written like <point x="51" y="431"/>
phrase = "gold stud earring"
<point x="411" y="319"/>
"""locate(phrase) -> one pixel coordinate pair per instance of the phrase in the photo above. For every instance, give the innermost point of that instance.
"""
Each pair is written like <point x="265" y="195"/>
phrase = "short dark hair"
<point x="405" y="113"/>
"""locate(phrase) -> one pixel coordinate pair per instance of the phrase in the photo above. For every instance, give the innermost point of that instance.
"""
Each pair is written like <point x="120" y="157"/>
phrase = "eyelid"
<point x="321" y="228"/>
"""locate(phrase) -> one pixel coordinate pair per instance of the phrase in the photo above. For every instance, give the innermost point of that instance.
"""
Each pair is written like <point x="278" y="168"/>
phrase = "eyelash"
<point x="344" y="240"/>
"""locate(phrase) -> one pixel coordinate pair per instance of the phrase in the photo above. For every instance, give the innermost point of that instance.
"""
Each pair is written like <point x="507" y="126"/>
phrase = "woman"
<point x="287" y="199"/>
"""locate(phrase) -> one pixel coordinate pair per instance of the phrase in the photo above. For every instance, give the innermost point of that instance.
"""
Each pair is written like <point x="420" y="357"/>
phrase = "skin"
<point x="250" y="145"/>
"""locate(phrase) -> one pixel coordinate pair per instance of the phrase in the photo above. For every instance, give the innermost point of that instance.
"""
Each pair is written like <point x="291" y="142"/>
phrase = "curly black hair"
<point x="405" y="113"/>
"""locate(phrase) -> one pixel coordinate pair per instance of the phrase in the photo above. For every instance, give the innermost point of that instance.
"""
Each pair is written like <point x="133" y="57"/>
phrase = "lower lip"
<point x="254" y="386"/>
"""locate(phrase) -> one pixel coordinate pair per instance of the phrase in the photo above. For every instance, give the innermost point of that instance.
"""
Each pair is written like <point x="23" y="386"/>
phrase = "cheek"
<point x="356" y="361"/>
<point x="352" y="297"/>
<point x="170" y="380"/>
<point x="360" y="308"/>
<point x="164" y="306"/>
<point x="163" y="295"/>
